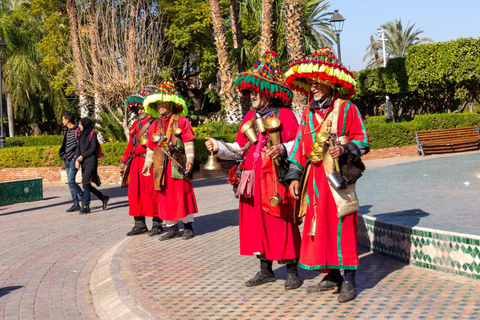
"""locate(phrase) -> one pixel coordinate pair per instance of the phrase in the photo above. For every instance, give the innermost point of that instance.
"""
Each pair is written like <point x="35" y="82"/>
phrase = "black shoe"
<point x="155" y="231"/>
<point x="293" y="281"/>
<point x="348" y="292"/>
<point x="85" y="209"/>
<point x="260" y="279"/>
<point x="75" y="207"/>
<point x="328" y="283"/>
<point x="137" y="230"/>
<point x="170" y="234"/>
<point x="105" y="202"/>
<point x="188" y="234"/>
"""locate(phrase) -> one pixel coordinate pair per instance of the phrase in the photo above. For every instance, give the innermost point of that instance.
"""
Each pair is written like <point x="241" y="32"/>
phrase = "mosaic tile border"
<point x="445" y="251"/>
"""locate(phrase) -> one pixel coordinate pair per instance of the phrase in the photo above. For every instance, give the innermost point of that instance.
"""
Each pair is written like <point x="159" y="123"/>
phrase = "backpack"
<point x="99" y="149"/>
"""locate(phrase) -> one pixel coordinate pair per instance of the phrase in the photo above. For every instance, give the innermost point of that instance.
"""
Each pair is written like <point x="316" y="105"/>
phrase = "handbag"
<point x="247" y="181"/>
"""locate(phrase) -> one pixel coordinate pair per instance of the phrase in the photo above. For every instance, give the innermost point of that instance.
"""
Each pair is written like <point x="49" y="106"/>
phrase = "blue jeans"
<point x="75" y="189"/>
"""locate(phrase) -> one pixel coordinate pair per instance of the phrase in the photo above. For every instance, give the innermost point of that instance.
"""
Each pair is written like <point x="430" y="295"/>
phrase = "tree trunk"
<point x="131" y="46"/>
<point x="10" y="115"/>
<point x="267" y="39"/>
<point x="229" y="94"/>
<point x="292" y="11"/>
<point x="77" y="54"/>
<point x="97" y="108"/>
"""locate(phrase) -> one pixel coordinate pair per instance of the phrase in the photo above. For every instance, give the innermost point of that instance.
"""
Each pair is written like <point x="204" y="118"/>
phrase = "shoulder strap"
<point x="335" y="114"/>
<point x="91" y="134"/>
<point x="76" y="136"/>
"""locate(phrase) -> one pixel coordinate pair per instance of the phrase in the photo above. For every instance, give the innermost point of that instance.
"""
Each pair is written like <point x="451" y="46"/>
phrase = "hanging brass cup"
<point x="177" y="131"/>
<point x="317" y="148"/>
<point x="155" y="137"/>
<point x="143" y="140"/>
<point x="212" y="163"/>
<point x="276" y="200"/>
<point x="322" y="137"/>
<point x="249" y="131"/>
<point x="314" y="157"/>
<point x="273" y="125"/>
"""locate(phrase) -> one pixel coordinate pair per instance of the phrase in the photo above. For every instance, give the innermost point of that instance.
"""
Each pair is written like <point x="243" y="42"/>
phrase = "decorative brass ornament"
<point x="322" y="137"/>
<point x="276" y="200"/>
<point x="249" y="131"/>
<point x="155" y="137"/>
<point x="133" y="131"/>
<point x="177" y="131"/>
<point x="313" y="226"/>
<point x="317" y="148"/>
<point x="260" y="125"/>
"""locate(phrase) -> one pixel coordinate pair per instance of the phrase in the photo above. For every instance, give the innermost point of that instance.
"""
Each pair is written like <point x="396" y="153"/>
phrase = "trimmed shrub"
<point x="201" y="151"/>
<point x="215" y="128"/>
<point x="32" y="141"/>
<point x="13" y="142"/>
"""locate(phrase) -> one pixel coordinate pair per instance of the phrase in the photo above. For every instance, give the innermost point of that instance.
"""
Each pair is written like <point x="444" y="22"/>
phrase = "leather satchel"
<point x="159" y="166"/>
<point x="247" y="182"/>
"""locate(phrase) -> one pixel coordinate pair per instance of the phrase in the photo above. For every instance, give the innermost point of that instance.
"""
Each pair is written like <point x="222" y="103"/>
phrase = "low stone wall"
<point x="108" y="174"/>
<point x="407" y="151"/>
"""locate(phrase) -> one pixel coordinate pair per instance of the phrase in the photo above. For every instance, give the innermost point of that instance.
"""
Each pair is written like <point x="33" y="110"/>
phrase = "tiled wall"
<point x="427" y="248"/>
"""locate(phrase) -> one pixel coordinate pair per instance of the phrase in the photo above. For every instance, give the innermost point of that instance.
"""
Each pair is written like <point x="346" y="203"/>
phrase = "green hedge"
<point x="385" y="135"/>
<point x="47" y="156"/>
<point x="32" y="141"/>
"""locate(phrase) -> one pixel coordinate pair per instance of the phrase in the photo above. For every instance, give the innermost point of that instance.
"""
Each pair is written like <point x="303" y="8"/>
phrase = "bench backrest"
<point x="463" y="132"/>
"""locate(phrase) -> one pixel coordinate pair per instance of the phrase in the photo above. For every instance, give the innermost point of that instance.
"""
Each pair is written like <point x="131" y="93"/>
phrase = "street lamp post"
<point x="336" y="24"/>
<point x="382" y="36"/>
<point x="2" y="134"/>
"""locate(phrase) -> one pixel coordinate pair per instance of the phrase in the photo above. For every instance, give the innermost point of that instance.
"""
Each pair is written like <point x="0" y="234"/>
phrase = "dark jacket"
<point x="64" y="152"/>
<point x="87" y="148"/>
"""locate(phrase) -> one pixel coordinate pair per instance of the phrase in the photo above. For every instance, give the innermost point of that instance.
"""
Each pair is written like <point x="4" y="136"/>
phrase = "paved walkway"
<point x="51" y="262"/>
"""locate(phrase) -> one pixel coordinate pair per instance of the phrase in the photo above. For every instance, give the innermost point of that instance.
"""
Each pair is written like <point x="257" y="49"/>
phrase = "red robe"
<point x="260" y="233"/>
<point x="177" y="199"/>
<point x="142" y="198"/>
<point x="334" y="245"/>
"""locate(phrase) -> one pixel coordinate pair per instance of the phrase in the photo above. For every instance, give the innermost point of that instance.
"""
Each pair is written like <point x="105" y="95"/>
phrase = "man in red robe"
<point x="329" y="242"/>
<point x="142" y="197"/>
<point x="176" y="199"/>
<point x="267" y="231"/>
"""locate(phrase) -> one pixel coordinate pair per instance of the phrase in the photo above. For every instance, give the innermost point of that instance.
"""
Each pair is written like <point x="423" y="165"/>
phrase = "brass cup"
<point x="249" y="131"/>
<point x="317" y="148"/>
<point x="314" y="157"/>
<point x="322" y="137"/>
<point x="177" y="131"/>
<point x="260" y="125"/>
<point x="155" y="137"/>
<point x="276" y="200"/>
<point x="133" y="131"/>
<point x="143" y="140"/>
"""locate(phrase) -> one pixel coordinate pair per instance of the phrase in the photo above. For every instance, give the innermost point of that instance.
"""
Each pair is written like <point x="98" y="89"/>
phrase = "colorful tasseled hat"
<point x="136" y="100"/>
<point x="323" y="66"/>
<point x="267" y="77"/>
<point x="166" y="92"/>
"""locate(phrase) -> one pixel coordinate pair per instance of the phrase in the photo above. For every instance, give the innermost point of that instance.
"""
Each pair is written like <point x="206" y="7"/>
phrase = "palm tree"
<point x="268" y="27"/>
<point x="25" y="86"/>
<point x="397" y="44"/>
<point x="232" y="107"/>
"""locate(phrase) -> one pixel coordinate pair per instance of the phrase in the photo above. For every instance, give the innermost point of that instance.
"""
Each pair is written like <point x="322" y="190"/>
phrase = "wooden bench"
<point x="448" y="140"/>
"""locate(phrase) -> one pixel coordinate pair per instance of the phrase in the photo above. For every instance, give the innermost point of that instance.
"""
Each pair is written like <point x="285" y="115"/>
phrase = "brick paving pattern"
<point x="47" y="257"/>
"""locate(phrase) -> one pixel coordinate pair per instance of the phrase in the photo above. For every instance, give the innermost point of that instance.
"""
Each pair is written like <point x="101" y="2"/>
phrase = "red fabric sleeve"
<point x="187" y="130"/>
<point x="129" y="148"/>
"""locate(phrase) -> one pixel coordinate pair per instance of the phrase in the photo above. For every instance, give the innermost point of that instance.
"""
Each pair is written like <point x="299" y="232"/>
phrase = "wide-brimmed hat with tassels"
<point x="166" y="92"/>
<point x="136" y="100"/>
<point x="265" y="76"/>
<point x="324" y="67"/>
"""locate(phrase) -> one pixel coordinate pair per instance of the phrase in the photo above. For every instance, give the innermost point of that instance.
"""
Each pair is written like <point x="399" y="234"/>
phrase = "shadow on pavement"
<point x="209" y="182"/>
<point x="214" y="222"/>
<point x="6" y="290"/>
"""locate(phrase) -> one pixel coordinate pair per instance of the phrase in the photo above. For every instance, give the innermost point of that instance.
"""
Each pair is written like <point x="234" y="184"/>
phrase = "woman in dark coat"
<point x="86" y="155"/>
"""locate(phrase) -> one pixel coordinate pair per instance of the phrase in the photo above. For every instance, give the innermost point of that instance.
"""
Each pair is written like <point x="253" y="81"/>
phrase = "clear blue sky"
<point x="440" y="20"/>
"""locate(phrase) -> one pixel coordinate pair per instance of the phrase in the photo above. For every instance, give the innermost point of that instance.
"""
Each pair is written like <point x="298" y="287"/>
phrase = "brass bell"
<point x="313" y="226"/>
<point x="260" y="125"/>
<point x="177" y="131"/>
<point x="143" y="140"/>
<point x="322" y="137"/>
<point x="155" y="137"/>
<point x="272" y="125"/>
<point x="314" y="157"/>
<point x="212" y="163"/>
<point x="249" y="131"/>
